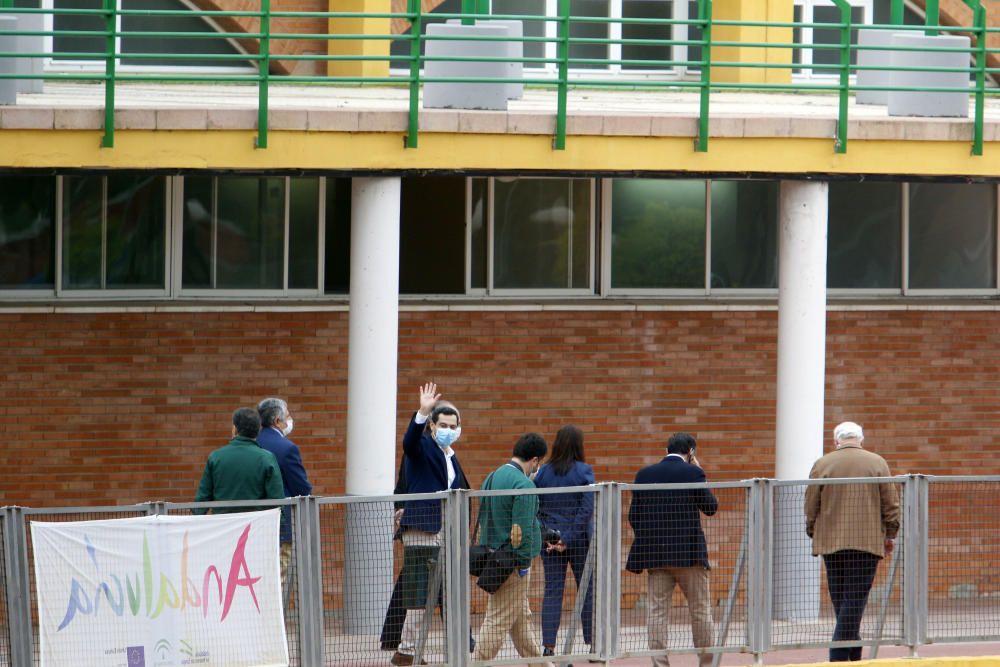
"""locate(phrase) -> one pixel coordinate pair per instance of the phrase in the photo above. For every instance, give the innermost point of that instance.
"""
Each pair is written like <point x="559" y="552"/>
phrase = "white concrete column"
<point x="801" y="376"/>
<point x="371" y="399"/>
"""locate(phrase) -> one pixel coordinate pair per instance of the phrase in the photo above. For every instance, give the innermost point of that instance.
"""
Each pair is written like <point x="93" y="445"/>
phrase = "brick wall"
<point x="123" y="407"/>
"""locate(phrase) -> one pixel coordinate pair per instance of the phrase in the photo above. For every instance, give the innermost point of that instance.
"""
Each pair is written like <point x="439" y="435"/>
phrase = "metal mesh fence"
<point x="63" y="515"/>
<point x="684" y="551"/>
<point x="5" y="658"/>
<point x="852" y="592"/>
<point x="963" y="566"/>
<point x="383" y="595"/>
<point x="547" y="607"/>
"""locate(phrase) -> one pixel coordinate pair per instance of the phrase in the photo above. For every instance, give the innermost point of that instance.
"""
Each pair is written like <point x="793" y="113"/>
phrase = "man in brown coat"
<point x="852" y="527"/>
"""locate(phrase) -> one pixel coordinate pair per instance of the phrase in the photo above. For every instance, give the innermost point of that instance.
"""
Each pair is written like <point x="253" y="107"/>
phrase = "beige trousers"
<point x="694" y="584"/>
<point x="508" y="612"/>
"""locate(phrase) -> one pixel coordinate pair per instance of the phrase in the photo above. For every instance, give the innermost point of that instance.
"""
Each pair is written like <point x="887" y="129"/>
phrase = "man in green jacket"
<point x="242" y="470"/>
<point x="512" y="519"/>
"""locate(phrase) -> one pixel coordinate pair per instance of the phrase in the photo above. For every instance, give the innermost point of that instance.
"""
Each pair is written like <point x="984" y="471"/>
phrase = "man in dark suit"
<point x="429" y="465"/>
<point x="670" y="544"/>
<point x="276" y="423"/>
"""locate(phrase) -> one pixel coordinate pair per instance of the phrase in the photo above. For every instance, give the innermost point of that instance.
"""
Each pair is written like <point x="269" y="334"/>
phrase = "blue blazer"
<point x="666" y="523"/>
<point x="426" y="471"/>
<point x="570" y="513"/>
<point x="293" y="473"/>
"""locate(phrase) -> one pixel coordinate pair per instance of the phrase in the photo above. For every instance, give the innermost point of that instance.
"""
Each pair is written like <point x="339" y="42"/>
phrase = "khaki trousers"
<point x="694" y="584"/>
<point x="508" y="612"/>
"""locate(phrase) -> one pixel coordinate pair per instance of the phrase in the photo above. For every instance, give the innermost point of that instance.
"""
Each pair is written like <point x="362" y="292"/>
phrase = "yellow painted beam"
<point x="359" y="47"/>
<point x="143" y="149"/>
<point x="740" y="10"/>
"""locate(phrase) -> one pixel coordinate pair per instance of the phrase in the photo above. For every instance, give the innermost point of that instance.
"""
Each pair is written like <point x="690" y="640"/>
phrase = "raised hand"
<point x="428" y="397"/>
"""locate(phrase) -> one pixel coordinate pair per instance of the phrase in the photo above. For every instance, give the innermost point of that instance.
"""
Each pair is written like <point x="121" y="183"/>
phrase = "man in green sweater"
<point x="512" y="519"/>
<point x="242" y="470"/>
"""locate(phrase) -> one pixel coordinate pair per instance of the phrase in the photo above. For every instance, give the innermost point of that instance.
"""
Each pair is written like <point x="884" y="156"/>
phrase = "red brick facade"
<point x="106" y="408"/>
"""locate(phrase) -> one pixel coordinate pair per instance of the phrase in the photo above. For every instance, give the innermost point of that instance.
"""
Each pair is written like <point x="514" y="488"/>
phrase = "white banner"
<point x="161" y="591"/>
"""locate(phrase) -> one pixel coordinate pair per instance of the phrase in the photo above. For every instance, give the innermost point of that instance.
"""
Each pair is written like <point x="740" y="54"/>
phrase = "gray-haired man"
<point x="276" y="423"/>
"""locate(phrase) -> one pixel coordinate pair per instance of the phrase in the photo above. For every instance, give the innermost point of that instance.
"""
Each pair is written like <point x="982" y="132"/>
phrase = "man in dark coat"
<point x="275" y="425"/>
<point x="670" y="543"/>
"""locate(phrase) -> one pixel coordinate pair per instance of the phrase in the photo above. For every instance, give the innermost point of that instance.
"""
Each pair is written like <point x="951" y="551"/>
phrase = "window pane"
<point x="27" y="223"/>
<point x="695" y="33"/>
<point x="196" y="272"/>
<point x="303" y="227"/>
<point x="173" y="45"/>
<point x="531" y="28"/>
<point x="337" y="265"/>
<point x="657" y="233"/>
<point x="536" y="222"/>
<point x="744" y="234"/>
<point x="78" y="22"/>
<point x="588" y="30"/>
<point x="251" y="232"/>
<point x="952" y="235"/>
<point x="480" y="239"/>
<point x="826" y="56"/>
<point x="432" y="235"/>
<point x="643" y="9"/>
<point x="82" y="210"/>
<point x="136" y="241"/>
<point x="864" y="242"/>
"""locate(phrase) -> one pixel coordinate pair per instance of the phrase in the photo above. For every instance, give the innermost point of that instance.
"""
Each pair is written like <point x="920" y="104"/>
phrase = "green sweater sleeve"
<point x="273" y="485"/>
<point x="524" y="514"/>
<point x="204" y="488"/>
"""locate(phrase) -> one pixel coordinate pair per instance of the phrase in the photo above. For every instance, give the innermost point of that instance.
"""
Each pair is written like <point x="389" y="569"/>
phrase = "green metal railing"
<point x="560" y="68"/>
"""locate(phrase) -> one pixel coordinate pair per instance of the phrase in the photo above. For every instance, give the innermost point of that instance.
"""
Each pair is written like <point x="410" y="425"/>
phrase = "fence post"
<point x="843" y="88"/>
<point x="110" y="65"/>
<point x="416" y="37"/>
<point x="932" y="15"/>
<point x="897" y="12"/>
<point x="979" y="21"/>
<point x="456" y="579"/>
<point x="705" y="90"/>
<point x="914" y="561"/>
<point x="15" y="546"/>
<point x="760" y="563"/>
<point x="264" y="73"/>
<point x="562" y="89"/>
<point x="608" y="578"/>
<point x="309" y="564"/>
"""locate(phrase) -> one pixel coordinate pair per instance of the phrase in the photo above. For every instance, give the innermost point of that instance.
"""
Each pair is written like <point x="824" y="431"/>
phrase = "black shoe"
<point x="546" y="652"/>
<point x="472" y="644"/>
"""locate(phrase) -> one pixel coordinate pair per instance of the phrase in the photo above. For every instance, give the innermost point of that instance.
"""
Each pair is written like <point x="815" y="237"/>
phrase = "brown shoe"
<point x="403" y="659"/>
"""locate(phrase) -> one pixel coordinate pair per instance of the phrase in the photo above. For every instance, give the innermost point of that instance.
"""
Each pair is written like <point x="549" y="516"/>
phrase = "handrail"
<point x="561" y="66"/>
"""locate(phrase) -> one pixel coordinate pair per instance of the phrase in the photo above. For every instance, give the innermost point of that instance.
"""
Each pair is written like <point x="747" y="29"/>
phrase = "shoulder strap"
<point x="487" y="486"/>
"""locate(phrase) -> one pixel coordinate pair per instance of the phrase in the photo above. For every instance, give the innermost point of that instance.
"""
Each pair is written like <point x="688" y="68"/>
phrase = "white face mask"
<point x="288" y="426"/>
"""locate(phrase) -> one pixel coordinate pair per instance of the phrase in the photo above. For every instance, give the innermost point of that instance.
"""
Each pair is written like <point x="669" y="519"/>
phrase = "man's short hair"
<point x="247" y="422"/>
<point x="444" y="408"/>
<point x="271" y="410"/>
<point x="681" y="443"/>
<point x="530" y="446"/>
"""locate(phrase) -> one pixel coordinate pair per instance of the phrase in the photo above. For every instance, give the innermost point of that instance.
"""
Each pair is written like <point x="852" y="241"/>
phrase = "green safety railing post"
<point x="979" y="22"/>
<point x="932" y="12"/>
<point x="264" y="73"/>
<point x="563" y="88"/>
<point x="705" y="90"/>
<point x="110" y="63"/>
<point x="469" y="7"/>
<point x="845" y="75"/>
<point x="897" y="15"/>
<point x="414" y="9"/>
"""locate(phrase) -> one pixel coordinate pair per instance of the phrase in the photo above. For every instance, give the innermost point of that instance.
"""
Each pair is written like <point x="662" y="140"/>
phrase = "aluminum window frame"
<point x="54" y="65"/>
<point x="804" y="66"/>
<point x="248" y="293"/>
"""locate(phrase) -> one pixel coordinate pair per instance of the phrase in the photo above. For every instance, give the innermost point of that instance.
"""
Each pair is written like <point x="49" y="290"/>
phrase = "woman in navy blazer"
<point x="572" y="515"/>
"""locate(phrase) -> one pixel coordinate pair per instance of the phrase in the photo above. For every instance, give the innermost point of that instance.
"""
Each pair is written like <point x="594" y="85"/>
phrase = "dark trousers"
<point x="849" y="576"/>
<point x="555" y="580"/>
<point x="395" y="616"/>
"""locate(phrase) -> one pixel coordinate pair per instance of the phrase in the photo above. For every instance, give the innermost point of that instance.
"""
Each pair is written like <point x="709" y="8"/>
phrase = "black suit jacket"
<point x="667" y="523"/>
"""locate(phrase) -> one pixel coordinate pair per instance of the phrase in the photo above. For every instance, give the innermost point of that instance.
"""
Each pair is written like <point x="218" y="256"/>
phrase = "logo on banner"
<point x="136" y="656"/>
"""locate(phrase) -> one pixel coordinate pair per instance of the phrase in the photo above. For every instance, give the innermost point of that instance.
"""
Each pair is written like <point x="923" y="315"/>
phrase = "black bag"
<point x="497" y="568"/>
<point x="492" y="566"/>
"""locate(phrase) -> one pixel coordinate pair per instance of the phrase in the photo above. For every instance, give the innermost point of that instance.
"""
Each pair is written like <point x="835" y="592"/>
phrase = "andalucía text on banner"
<point x="161" y="591"/>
